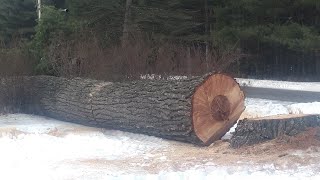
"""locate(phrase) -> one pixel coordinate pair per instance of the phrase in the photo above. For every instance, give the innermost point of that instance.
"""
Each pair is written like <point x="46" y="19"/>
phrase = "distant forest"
<point x="123" y="39"/>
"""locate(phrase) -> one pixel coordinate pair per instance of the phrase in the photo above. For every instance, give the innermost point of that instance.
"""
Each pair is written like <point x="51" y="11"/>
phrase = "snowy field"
<point x="262" y="107"/>
<point x="33" y="147"/>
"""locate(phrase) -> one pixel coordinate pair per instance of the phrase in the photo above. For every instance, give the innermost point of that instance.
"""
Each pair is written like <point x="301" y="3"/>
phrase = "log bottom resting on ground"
<point x="195" y="110"/>
<point x="254" y="131"/>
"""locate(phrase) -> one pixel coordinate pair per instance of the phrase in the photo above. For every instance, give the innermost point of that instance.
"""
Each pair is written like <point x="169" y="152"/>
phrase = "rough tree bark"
<point x="10" y="89"/>
<point x="196" y="110"/>
<point x="254" y="131"/>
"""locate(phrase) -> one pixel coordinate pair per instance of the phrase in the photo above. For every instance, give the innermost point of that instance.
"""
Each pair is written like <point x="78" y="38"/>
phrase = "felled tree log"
<point x="196" y="110"/>
<point x="254" y="131"/>
<point x="10" y="89"/>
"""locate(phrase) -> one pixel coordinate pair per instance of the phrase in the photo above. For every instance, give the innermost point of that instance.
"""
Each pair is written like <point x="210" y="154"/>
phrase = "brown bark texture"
<point x="162" y="108"/>
<point x="254" y="131"/>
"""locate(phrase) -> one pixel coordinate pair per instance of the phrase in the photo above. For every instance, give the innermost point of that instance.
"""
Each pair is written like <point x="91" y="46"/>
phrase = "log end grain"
<point x="216" y="106"/>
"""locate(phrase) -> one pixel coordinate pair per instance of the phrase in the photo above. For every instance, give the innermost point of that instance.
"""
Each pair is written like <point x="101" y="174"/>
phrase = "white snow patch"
<point x="305" y="108"/>
<point x="33" y="147"/>
<point x="299" y="86"/>
<point x="226" y="173"/>
<point x="228" y="135"/>
<point x="262" y="107"/>
<point x="108" y="144"/>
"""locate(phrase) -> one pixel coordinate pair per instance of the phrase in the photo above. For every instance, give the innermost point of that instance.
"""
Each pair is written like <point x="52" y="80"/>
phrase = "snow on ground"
<point x="305" y="108"/>
<point x="33" y="147"/>
<point x="263" y="107"/>
<point x="299" y="86"/>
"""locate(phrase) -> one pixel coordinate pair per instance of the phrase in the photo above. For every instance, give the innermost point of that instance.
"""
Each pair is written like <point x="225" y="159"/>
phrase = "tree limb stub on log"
<point x="258" y="130"/>
<point x="195" y="110"/>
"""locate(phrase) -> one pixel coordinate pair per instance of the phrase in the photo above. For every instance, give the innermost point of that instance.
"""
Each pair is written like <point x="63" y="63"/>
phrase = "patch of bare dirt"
<point x="10" y="132"/>
<point x="281" y="152"/>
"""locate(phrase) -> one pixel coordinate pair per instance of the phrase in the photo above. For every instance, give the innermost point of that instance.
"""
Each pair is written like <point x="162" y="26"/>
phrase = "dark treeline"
<point x="116" y="39"/>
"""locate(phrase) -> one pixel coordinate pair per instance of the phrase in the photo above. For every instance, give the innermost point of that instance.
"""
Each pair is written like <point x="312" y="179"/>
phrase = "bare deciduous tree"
<point x="126" y="24"/>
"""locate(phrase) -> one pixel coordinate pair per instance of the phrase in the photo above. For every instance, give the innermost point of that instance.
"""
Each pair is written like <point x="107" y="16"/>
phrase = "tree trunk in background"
<point x="39" y="9"/>
<point x="195" y="110"/>
<point x="317" y="59"/>
<point x="254" y="131"/>
<point x="126" y="24"/>
<point x="207" y="32"/>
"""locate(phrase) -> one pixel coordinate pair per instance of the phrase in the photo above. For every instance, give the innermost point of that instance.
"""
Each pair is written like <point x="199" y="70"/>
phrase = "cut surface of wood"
<point x="217" y="104"/>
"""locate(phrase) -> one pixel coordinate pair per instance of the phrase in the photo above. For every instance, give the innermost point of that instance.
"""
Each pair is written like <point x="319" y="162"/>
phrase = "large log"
<point x="10" y="89"/>
<point x="196" y="110"/>
<point x="258" y="130"/>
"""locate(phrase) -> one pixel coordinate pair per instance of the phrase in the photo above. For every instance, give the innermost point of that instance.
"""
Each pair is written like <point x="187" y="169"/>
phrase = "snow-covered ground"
<point x="299" y="86"/>
<point x="33" y="147"/>
<point x="263" y="107"/>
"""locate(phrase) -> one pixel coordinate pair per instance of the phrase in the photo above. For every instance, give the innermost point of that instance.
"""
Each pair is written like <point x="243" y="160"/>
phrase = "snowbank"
<point x="262" y="107"/>
<point x="299" y="86"/>
<point x="305" y="108"/>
